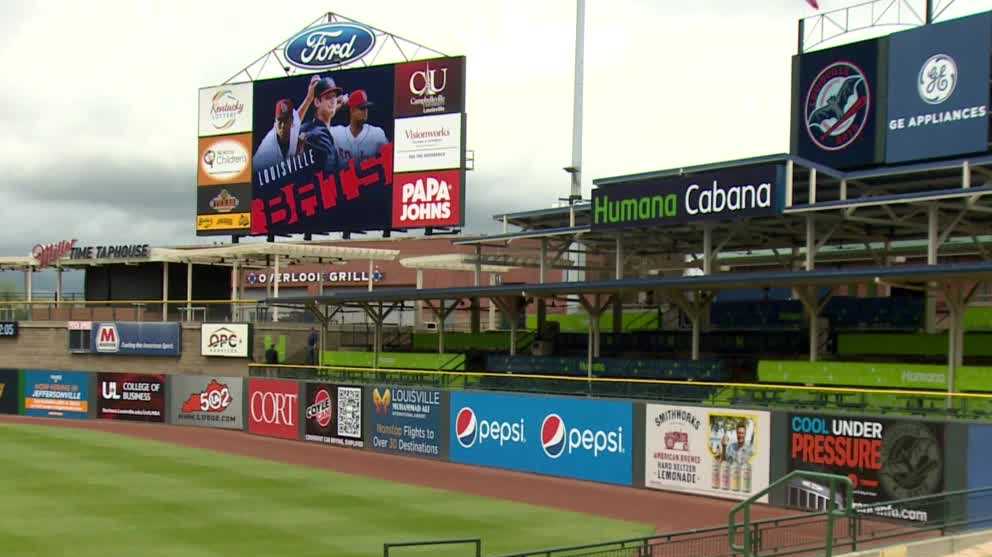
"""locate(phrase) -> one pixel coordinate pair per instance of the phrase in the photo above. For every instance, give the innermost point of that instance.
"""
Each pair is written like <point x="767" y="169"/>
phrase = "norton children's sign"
<point x="719" y="195"/>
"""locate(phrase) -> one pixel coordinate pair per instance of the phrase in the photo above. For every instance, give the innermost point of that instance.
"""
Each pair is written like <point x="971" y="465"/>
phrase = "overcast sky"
<point x="98" y="104"/>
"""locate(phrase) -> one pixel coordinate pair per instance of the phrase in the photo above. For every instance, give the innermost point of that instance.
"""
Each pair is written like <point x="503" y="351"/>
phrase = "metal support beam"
<point x="189" y="290"/>
<point x="707" y="248"/>
<point x="544" y="257"/>
<point x="275" y="288"/>
<point x="165" y="291"/>
<point x="814" y="306"/>
<point x="58" y="287"/>
<point x="371" y="271"/>
<point x="478" y="266"/>
<point x="617" y="314"/>
<point x="789" y="167"/>
<point x="475" y="318"/>
<point x="843" y="190"/>
<point x="966" y="174"/>
<point x="618" y="273"/>
<point x="810" y="242"/>
<point x="812" y="186"/>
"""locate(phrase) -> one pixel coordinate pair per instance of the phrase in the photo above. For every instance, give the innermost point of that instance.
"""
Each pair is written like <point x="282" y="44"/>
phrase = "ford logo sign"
<point x="328" y="46"/>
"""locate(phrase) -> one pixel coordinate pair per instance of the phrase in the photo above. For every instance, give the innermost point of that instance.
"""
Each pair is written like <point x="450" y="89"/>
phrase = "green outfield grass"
<point x="90" y="494"/>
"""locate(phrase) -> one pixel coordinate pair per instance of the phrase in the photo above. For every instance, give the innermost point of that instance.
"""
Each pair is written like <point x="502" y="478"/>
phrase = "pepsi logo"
<point x="553" y="435"/>
<point x="466" y="426"/>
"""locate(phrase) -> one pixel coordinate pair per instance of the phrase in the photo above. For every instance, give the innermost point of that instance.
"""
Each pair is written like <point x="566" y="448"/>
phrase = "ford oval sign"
<point x="329" y="46"/>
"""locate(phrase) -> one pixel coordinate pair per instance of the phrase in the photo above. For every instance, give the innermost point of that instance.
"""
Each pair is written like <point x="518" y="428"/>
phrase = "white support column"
<point x="58" y="287"/>
<point x="966" y="175"/>
<point x="492" y="306"/>
<point x="933" y="244"/>
<point x="371" y="270"/>
<point x="27" y="284"/>
<point x="440" y="328"/>
<point x="189" y="290"/>
<point x="812" y="186"/>
<point x="275" y="288"/>
<point x="418" y="306"/>
<point x="843" y="190"/>
<point x="477" y="272"/>
<point x="505" y="229"/>
<point x="235" y="308"/>
<point x="810" y="242"/>
<point x="544" y="257"/>
<point x="694" y="317"/>
<point x="618" y="272"/>
<point x="165" y="291"/>
<point x="707" y="248"/>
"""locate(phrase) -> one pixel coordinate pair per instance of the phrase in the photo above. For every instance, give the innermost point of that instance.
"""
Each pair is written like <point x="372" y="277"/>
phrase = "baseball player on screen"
<point x="282" y="141"/>
<point x="359" y="140"/>
<point x="316" y="134"/>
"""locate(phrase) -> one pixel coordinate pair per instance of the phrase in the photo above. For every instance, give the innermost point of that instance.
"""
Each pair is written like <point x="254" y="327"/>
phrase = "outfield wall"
<point x="720" y="452"/>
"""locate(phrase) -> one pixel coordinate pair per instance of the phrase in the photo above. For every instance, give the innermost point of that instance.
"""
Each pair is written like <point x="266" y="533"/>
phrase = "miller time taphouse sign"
<point x="728" y="194"/>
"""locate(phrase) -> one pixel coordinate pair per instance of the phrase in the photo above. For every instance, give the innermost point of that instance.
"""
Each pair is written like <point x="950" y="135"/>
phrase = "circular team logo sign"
<point x="836" y="107"/>
<point x="938" y="78"/>
<point x="912" y="461"/>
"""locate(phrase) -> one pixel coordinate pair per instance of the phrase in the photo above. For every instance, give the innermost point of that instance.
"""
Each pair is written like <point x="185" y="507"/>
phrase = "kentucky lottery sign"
<point x="719" y="195"/>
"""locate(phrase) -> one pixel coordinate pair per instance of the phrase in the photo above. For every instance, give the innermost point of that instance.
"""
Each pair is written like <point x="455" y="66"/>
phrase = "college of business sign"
<point x="938" y="90"/>
<point x="720" y="195"/>
<point x="573" y="438"/>
<point x="836" y="107"/>
<point x="232" y="340"/>
<point x="136" y="338"/>
<point x="131" y="396"/>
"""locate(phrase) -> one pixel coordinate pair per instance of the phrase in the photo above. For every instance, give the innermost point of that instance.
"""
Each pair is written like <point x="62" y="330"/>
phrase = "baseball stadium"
<point x="787" y="354"/>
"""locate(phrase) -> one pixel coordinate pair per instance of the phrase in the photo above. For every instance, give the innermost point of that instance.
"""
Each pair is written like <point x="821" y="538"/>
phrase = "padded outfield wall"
<point x="718" y="452"/>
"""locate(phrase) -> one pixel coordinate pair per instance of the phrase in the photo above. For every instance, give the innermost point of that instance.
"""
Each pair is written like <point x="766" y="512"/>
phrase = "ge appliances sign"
<point x="232" y="340"/>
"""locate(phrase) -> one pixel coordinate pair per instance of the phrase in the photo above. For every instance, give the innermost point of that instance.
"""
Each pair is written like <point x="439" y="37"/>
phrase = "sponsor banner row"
<point x="724" y="453"/>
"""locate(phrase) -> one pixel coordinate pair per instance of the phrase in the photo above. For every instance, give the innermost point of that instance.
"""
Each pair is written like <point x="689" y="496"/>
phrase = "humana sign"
<point x="681" y="200"/>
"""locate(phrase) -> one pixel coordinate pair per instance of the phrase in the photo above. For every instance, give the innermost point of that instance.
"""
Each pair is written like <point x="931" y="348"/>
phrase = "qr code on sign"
<point x="350" y="412"/>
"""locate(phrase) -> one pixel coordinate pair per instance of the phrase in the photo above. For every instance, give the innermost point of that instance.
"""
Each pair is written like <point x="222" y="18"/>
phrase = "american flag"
<point x="814" y="3"/>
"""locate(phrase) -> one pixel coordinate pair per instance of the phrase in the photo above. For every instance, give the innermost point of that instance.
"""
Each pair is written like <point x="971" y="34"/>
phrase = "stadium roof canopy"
<point x="256" y="254"/>
<point x="942" y="200"/>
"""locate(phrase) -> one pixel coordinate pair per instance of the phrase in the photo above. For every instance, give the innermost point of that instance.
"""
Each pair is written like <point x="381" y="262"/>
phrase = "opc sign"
<point x="273" y="408"/>
<point x="225" y="339"/>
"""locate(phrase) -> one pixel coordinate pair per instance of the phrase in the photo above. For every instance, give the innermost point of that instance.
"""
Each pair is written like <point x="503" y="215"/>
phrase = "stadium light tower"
<point x="575" y="170"/>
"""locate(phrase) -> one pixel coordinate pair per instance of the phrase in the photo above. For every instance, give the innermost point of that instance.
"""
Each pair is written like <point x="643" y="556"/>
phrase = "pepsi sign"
<point x="557" y="436"/>
<point x="329" y="46"/>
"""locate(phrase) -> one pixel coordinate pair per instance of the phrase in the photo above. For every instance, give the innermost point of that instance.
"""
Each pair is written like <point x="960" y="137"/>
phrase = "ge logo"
<point x="938" y="77"/>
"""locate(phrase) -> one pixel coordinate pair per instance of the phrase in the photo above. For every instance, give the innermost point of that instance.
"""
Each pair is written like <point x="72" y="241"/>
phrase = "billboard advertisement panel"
<point x="431" y="198"/>
<point x="720" y="453"/>
<point x="732" y="193"/>
<point x="273" y="408"/>
<point x="223" y="200"/>
<point x="230" y="340"/>
<point x="886" y="459"/>
<point x="214" y="225"/>
<point x="334" y="415"/>
<point x="836" y="105"/>
<point x="131" y="396"/>
<point x="429" y="143"/>
<point x="224" y="160"/>
<point x="407" y="421"/>
<point x="938" y="90"/>
<point x="435" y="86"/>
<point x="10" y="391"/>
<point x="9" y="329"/>
<point x="311" y="171"/>
<point x="56" y="394"/>
<point x="206" y="401"/>
<point x="572" y="438"/>
<point x="225" y="109"/>
<point x="136" y="338"/>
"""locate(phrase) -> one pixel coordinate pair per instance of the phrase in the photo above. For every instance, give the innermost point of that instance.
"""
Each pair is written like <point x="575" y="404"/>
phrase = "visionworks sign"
<point x="721" y="195"/>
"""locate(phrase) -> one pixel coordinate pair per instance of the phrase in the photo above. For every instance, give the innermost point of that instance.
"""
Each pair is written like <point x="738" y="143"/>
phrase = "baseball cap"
<point x="358" y="99"/>
<point x="284" y="108"/>
<point x="325" y="85"/>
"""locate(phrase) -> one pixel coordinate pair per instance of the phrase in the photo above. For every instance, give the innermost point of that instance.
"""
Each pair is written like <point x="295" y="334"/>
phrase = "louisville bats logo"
<point x="837" y="106"/>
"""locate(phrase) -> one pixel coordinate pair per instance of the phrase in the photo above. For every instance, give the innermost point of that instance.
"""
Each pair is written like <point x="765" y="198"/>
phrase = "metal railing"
<point x="807" y="534"/>
<point x="387" y="548"/>
<point x="796" y="398"/>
